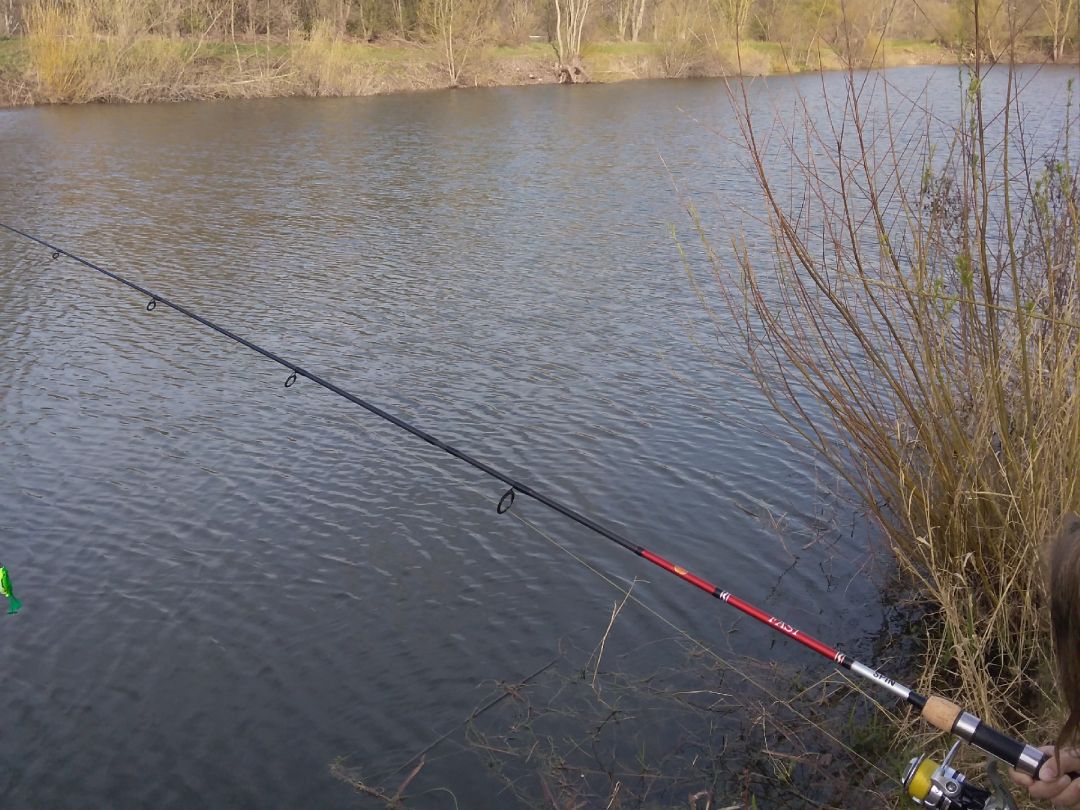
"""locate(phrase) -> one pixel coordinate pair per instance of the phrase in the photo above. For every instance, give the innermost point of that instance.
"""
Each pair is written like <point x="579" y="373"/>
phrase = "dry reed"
<point x="916" y="322"/>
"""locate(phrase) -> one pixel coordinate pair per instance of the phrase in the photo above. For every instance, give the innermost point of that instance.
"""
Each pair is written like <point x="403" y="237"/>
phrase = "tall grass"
<point x="62" y="50"/>
<point x="916" y="321"/>
<point x="323" y="67"/>
<point x="324" y="63"/>
<point x="103" y="52"/>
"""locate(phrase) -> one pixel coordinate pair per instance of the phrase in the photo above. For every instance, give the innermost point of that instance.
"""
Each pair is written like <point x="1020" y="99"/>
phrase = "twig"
<point x="409" y="778"/>
<point x="476" y="713"/>
<point x="616" y="609"/>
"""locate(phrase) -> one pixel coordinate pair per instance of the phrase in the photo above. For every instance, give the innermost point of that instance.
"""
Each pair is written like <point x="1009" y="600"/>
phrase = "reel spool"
<point x="934" y="785"/>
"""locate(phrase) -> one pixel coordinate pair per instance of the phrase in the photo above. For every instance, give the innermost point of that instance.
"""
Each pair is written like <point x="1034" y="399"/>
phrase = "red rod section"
<point x="779" y="625"/>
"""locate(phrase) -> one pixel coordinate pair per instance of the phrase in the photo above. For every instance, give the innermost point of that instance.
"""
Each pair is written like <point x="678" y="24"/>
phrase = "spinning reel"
<point x="941" y="786"/>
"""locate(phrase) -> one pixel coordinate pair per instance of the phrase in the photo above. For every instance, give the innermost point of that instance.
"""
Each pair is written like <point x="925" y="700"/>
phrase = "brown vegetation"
<point x="918" y="324"/>
<point x="144" y="50"/>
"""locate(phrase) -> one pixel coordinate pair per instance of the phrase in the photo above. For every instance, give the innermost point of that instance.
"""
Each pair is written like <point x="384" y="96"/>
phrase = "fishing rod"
<point x="930" y="784"/>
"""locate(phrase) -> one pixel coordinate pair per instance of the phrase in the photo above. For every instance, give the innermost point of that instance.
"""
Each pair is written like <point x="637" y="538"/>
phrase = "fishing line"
<point x="725" y="663"/>
<point x="508" y="690"/>
<point x="728" y="665"/>
<point x="938" y="711"/>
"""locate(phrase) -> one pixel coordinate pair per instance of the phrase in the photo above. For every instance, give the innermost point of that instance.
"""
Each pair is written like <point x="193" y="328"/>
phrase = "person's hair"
<point x="1064" y="562"/>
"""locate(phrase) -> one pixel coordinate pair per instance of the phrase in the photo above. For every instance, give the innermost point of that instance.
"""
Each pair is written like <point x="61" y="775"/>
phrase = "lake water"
<point x="229" y="584"/>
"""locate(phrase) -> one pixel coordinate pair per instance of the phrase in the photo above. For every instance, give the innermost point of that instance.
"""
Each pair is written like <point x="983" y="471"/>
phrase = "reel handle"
<point x="950" y="718"/>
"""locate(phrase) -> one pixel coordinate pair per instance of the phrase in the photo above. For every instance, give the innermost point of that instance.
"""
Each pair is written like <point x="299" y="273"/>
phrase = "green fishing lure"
<point x="5" y="590"/>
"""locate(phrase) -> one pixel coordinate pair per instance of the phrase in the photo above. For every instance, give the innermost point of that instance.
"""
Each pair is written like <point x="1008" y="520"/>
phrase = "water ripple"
<point x="229" y="583"/>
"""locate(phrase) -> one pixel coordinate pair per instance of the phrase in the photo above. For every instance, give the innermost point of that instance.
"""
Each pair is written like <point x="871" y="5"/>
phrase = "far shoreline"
<point x="178" y="70"/>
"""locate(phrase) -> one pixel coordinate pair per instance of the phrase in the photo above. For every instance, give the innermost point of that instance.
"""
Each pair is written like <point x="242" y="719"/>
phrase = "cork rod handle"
<point x="941" y="713"/>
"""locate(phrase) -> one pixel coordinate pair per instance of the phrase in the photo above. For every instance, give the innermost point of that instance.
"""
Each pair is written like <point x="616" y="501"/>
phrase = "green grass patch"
<point x="619" y="49"/>
<point x="530" y="50"/>
<point x="362" y="52"/>
<point x="245" y="50"/>
<point x="12" y="55"/>
<point x="357" y="52"/>
<point x="916" y="52"/>
<point x="619" y="61"/>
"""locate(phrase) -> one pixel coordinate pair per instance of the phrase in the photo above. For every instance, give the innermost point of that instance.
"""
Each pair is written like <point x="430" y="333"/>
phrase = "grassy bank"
<point x="63" y="64"/>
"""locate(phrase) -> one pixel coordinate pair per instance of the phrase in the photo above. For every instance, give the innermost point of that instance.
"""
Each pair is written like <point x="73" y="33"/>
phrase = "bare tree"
<point x="570" y="17"/>
<point x="11" y="18"/>
<point x="629" y="19"/>
<point x="857" y="27"/>
<point x="736" y="13"/>
<point x="520" y="19"/>
<point x="338" y="12"/>
<point x="1060" y="16"/>
<point x="990" y="27"/>
<point x="458" y="25"/>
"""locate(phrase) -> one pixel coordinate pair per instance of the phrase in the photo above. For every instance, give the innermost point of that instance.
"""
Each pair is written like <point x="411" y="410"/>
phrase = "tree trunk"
<point x="639" y="21"/>
<point x="623" y="14"/>
<point x="572" y="73"/>
<point x="560" y="47"/>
